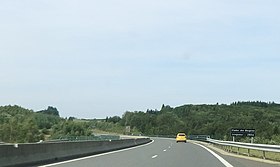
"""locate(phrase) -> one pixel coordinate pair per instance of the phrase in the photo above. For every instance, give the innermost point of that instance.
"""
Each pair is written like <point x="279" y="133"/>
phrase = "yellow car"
<point x="181" y="137"/>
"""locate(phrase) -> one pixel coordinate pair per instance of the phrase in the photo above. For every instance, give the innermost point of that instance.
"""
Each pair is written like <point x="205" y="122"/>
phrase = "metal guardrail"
<point x="85" y="138"/>
<point x="199" y="137"/>
<point x="259" y="147"/>
<point x="163" y="136"/>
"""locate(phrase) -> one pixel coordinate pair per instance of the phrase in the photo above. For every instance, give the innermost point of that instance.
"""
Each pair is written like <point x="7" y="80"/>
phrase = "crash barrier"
<point x="199" y="137"/>
<point x="163" y="136"/>
<point x="39" y="153"/>
<point x="85" y="138"/>
<point x="256" y="150"/>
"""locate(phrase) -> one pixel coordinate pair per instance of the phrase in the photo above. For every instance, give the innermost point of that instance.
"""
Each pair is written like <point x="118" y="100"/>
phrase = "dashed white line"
<point x="164" y="150"/>
<point x="154" y="156"/>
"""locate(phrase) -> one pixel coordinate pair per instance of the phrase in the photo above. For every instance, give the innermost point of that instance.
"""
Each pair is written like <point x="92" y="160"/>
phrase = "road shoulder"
<point x="222" y="152"/>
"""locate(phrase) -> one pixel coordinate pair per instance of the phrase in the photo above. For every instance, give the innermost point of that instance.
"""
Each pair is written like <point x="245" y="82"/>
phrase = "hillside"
<point x="22" y="125"/>
<point x="215" y="120"/>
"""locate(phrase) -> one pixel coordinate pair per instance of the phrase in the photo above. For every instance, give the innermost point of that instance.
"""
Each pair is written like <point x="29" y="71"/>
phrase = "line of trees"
<point x="214" y="120"/>
<point x="22" y="125"/>
<point x="18" y="125"/>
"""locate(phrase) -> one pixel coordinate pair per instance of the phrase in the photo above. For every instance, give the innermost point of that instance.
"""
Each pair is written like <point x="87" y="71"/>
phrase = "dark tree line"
<point x="50" y="111"/>
<point x="214" y="120"/>
<point x="18" y="125"/>
<point x="22" y="125"/>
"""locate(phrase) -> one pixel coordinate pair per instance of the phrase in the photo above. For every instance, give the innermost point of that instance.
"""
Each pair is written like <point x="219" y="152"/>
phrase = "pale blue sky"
<point x="93" y="59"/>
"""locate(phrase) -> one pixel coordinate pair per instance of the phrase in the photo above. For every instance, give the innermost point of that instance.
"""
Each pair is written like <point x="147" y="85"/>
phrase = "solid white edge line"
<point x="216" y="155"/>
<point x="97" y="155"/>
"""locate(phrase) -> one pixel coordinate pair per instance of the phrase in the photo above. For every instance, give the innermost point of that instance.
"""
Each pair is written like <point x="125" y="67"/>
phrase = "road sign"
<point x="250" y="132"/>
<point x="243" y="132"/>
<point x="127" y="129"/>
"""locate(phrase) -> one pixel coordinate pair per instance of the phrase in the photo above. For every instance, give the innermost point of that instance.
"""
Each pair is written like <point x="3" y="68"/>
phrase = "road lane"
<point x="160" y="153"/>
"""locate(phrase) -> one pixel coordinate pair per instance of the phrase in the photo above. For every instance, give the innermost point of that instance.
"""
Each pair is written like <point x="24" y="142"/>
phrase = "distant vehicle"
<point x="181" y="137"/>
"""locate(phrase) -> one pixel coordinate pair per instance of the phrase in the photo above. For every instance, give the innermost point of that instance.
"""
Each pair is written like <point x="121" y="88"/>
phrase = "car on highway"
<point x="181" y="137"/>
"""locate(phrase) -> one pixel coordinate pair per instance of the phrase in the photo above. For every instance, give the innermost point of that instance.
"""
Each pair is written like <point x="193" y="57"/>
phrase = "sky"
<point x="92" y="58"/>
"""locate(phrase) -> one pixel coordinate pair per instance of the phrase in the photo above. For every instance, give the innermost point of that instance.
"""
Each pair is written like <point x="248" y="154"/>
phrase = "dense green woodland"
<point x="21" y="125"/>
<point x="214" y="120"/>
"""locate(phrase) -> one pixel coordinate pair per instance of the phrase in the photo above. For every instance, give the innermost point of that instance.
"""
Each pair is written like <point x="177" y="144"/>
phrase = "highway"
<point x="160" y="153"/>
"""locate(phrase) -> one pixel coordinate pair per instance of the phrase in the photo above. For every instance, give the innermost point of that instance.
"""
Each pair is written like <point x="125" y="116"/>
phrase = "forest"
<point x="214" y="120"/>
<point x="22" y="125"/>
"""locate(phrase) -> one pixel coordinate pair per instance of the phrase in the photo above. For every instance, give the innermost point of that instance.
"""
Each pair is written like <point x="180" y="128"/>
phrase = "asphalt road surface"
<point x="160" y="153"/>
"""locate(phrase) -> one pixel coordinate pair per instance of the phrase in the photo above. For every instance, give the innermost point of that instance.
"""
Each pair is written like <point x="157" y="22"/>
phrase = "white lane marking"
<point x="216" y="155"/>
<point x="154" y="156"/>
<point x="98" y="155"/>
<point x="164" y="150"/>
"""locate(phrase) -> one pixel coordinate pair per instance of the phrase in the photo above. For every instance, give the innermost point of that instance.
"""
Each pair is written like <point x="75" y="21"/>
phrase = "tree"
<point x="50" y="110"/>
